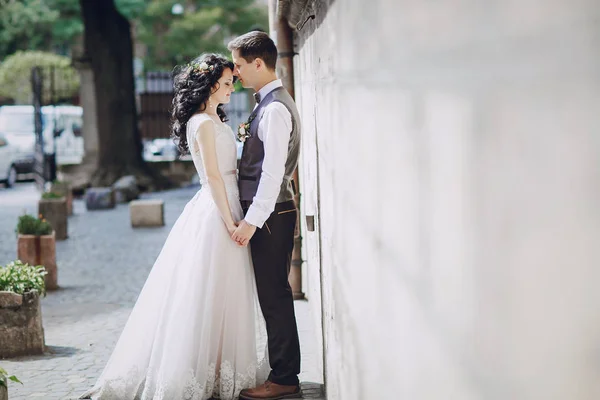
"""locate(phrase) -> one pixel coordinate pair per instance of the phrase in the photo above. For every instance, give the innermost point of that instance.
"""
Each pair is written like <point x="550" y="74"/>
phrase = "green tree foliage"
<point x="25" y="24"/>
<point x="205" y="25"/>
<point x="15" y="75"/>
<point x="69" y="24"/>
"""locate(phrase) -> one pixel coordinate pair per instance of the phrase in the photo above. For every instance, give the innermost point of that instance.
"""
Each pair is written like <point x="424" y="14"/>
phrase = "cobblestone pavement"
<point x="102" y="266"/>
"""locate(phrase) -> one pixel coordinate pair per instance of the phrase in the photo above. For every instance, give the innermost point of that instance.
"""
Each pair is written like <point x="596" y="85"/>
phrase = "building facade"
<point x="451" y="169"/>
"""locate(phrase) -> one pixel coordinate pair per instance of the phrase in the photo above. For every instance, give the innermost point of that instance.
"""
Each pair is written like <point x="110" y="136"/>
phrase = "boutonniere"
<point x="244" y="129"/>
<point x="243" y="132"/>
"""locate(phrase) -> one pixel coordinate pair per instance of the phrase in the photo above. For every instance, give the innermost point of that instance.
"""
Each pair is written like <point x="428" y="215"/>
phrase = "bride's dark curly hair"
<point x="193" y="84"/>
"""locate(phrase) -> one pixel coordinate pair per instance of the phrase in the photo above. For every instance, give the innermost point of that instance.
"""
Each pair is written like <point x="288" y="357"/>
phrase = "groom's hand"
<point x="243" y="233"/>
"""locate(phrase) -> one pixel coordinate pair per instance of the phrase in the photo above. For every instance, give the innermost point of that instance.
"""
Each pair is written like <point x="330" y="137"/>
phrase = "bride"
<point x="193" y="331"/>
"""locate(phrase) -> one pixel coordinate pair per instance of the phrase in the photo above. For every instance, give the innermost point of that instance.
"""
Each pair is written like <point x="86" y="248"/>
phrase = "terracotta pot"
<point x="21" y="330"/>
<point x="40" y="250"/>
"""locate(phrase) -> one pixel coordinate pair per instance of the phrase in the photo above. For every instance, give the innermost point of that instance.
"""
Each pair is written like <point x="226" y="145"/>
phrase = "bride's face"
<point x="224" y="88"/>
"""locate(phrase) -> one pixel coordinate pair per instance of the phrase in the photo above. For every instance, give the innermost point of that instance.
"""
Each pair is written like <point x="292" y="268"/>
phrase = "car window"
<point x="17" y="122"/>
<point x="77" y="122"/>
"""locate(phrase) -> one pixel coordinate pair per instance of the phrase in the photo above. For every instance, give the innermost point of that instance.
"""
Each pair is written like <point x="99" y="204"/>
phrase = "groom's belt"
<point x="279" y="207"/>
<point x="253" y="178"/>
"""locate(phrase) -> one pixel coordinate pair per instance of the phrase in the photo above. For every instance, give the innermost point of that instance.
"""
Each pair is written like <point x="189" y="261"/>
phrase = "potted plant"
<point x="63" y="189"/>
<point x="53" y="207"/>
<point x="36" y="245"/>
<point x="4" y="378"/>
<point x="21" y="331"/>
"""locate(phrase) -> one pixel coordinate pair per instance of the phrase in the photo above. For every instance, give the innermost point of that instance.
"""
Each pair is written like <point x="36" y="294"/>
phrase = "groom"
<point x="269" y="158"/>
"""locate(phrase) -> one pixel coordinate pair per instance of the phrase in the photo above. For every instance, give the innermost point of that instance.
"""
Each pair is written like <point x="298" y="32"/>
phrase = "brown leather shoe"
<point x="271" y="391"/>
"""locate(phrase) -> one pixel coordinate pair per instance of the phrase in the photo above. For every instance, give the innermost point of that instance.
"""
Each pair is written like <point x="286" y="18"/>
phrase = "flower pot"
<point x="40" y="250"/>
<point x="55" y="212"/>
<point x="21" y="330"/>
<point x="64" y="189"/>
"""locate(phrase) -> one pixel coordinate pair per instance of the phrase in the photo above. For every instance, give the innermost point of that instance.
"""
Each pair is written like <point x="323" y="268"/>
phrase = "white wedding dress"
<point x="194" y="330"/>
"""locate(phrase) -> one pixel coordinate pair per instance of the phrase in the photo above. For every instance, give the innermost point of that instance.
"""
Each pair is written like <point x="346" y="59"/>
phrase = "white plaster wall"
<point x="452" y="156"/>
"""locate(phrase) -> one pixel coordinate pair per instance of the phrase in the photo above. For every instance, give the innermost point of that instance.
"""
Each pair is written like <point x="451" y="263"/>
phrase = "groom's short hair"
<point x="255" y="44"/>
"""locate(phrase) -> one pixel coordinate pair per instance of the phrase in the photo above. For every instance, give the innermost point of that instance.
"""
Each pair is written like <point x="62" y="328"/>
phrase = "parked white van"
<point x="8" y="159"/>
<point x="61" y="128"/>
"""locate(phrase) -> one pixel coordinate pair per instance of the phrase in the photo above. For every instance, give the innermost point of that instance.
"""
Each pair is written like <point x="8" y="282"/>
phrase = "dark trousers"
<point x="272" y="247"/>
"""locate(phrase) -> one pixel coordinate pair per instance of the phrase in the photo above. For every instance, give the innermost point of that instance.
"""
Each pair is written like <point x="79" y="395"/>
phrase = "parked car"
<point x="61" y="130"/>
<point x="8" y="159"/>
<point x="16" y="126"/>
<point x="161" y="149"/>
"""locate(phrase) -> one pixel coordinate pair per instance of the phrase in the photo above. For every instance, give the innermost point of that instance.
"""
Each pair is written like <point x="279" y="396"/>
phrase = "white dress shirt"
<point x="274" y="130"/>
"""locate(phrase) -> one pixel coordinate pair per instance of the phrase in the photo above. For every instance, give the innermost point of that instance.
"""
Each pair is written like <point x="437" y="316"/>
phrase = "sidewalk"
<point x="101" y="269"/>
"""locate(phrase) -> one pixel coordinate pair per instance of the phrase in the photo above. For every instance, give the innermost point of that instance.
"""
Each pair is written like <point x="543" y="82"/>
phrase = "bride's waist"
<point x="229" y="181"/>
<point x="229" y="178"/>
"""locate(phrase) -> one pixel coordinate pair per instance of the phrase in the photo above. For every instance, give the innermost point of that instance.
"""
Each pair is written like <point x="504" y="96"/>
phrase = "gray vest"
<point x="253" y="154"/>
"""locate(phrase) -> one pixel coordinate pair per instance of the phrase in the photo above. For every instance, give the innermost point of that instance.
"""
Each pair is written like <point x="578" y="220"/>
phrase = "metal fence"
<point x="238" y="109"/>
<point x="155" y="99"/>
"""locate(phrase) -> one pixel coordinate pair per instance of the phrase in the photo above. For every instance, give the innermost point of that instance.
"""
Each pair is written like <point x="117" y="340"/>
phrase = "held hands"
<point x="232" y="227"/>
<point x="243" y="233"/>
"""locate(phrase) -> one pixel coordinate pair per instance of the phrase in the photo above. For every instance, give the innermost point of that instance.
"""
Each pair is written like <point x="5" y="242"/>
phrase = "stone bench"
<point x="147" y="213"/>
<point x="126" y="189"/>
<point x="99" y="198"/>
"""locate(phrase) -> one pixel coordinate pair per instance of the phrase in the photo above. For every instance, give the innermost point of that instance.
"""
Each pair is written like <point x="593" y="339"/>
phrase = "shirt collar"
<point x="269" y="87"/>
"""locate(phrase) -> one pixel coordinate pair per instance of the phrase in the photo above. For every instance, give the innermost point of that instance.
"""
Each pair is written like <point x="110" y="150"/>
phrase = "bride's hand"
<point x="231" y="228"/>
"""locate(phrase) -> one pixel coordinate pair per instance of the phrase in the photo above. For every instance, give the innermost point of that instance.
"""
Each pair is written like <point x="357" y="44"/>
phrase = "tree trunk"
<point x="109" y="46"/>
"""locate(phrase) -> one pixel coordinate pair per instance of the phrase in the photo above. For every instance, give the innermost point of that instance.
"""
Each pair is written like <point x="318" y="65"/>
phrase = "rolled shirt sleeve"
<point x="274" y="130"/>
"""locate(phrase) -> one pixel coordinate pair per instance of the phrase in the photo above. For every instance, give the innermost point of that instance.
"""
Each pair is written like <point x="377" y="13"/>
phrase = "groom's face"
<point x="244" y="70"/>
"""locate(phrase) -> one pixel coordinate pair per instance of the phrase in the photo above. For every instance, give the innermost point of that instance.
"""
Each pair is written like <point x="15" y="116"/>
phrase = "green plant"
<point x="61" y="188"/>
<point x="21" y="278"/>
<point x="15" y="76"/>
<point x="60" y="182"/>
<point x="51" y="195"/>
<point x="30" y="225"/>
<point x="4" y="378"/>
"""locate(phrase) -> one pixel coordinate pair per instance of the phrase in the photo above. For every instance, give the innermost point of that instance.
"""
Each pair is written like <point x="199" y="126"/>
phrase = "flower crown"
<point x="202" y="67"/>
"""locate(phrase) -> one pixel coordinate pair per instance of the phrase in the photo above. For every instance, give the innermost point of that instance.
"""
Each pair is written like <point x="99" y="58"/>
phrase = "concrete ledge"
<point x="146" y="213"/>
